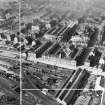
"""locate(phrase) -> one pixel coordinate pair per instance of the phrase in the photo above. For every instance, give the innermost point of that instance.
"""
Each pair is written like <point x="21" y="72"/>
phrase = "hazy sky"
<point x="7" y="0"/>
<point x="79" y="6"/>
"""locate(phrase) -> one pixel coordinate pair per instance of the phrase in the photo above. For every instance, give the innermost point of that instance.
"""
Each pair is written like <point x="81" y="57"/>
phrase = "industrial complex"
<point x="52" y="52"/>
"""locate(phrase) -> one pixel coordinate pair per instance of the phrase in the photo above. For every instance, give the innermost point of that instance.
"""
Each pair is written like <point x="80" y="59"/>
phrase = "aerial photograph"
<point x="73" y="97"/>
<point x="9" y="54"/>
<point x="103" y="98"/>
<point x="52" y="52"/>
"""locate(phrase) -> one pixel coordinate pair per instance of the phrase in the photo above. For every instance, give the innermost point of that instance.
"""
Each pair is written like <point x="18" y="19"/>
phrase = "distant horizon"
<point x="7" y="0"/>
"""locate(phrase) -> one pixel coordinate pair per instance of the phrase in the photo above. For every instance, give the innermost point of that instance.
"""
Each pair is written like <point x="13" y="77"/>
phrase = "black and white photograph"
<point x="103" y="98"/>
<point x="52" y="52"/>
<point x="9" y="53"/>
<point x="72" y="97"/>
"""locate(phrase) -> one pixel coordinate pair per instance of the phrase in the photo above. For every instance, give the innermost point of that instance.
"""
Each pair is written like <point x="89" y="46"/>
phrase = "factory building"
<point x="66" y="36"/>
<point x="82" y="56"/>
<point x="64" y="32"/>
<point x="42" y="49"/>
<point x="103" y="35"/>
<point x="77" y="81"/>
<point x="36" y="46"/>
<point x="54" y="32"/>
<point x="73" y="53"/>
<point x="93" y="38"/>
<point x="53" y="49"/>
